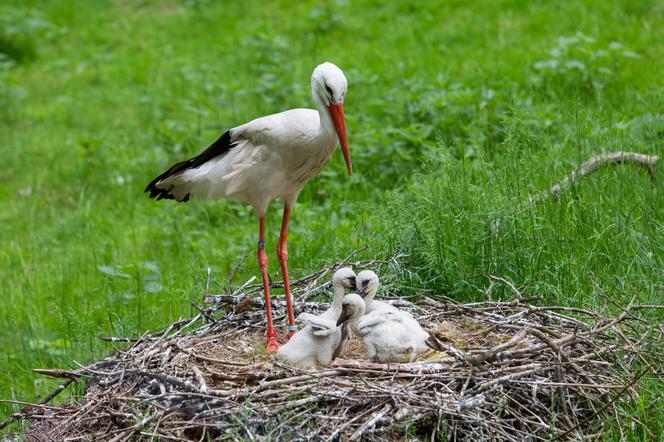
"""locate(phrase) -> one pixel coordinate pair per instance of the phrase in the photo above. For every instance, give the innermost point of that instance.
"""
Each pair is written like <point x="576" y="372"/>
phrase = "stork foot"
<point x="272" y="344"/>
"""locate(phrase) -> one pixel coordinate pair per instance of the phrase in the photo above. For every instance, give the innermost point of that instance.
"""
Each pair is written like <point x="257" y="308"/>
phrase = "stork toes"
<point x="272" y="345"/>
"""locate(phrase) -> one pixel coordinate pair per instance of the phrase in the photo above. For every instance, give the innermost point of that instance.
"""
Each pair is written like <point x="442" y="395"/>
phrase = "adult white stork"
<point x="267" y="158"/>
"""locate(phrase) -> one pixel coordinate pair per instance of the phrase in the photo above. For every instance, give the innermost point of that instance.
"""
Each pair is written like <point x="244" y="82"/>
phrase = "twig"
<point x="373" y="420"/>
<point x="615" y="321"/>
<point x="605" y="406"/>
<point x="200" y="378"/>
<point x="117" y="339"/>
<point x="23" y="413"/>
<point x="593" y="165"/>
<point x="56" y="373"/>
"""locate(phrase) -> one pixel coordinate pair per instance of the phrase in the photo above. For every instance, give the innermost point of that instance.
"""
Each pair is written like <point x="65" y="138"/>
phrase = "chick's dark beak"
<point x="344" y="315"/>
<point x="352" y="282"/>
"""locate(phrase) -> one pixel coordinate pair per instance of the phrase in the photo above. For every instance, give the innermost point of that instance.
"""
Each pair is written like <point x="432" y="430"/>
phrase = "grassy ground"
<point x="456" y="113"/>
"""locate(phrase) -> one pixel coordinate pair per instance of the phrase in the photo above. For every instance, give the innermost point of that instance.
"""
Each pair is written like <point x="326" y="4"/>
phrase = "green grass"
<point x="456" y="113"/>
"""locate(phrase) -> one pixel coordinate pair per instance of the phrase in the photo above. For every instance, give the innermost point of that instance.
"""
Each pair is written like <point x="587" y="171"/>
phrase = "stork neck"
<point x="355" y="319"/>
<point x="338" y="299"/>
<point x="369" y="298"/>
<point x="326" y="124"/>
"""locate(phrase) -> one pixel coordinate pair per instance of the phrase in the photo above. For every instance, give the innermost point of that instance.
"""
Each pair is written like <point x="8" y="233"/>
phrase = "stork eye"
<point x="329" y="91"/>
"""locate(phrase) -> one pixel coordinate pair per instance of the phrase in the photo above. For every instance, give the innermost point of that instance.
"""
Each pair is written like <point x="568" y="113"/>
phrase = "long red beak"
<point x="337" y="112"/>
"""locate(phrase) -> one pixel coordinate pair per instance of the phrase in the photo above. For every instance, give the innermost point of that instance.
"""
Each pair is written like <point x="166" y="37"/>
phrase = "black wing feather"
<point x="219" y="147"/>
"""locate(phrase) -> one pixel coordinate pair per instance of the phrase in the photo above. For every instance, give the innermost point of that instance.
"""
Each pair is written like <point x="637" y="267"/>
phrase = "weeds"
<point x="580" y="63"/>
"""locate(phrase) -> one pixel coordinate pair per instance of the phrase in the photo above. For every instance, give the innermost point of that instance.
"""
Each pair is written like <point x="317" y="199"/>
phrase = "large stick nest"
<point x="503" y="371"/>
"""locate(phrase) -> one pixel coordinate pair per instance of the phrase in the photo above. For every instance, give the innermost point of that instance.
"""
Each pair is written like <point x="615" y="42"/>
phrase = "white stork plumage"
<point x="367" y="287"/>
<point x="385" y="336"/>
<point x="267" y="158"/>
<point x="321" y="340"/>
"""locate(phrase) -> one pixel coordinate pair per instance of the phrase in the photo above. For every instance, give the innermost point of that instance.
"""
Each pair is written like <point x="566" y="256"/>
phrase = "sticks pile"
<point x="502" y="370"/>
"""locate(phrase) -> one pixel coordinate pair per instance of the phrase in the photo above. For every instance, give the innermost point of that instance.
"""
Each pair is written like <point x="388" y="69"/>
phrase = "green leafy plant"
<point x="20" y="33"/>
<point x="582" y="64"/>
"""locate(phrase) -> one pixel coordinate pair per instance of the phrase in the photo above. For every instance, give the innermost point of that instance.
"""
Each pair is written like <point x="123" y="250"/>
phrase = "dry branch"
<point x="593" y="165"/>
<point x="56" y="373"/>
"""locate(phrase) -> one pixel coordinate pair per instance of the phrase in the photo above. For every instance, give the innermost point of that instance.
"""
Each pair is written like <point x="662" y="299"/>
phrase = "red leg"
<point x="272" y="344"/>
<point x="282" y="254"/>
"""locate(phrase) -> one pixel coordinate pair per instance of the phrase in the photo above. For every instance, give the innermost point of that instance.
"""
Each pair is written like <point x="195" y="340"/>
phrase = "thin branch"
<point x="593" y="164"/>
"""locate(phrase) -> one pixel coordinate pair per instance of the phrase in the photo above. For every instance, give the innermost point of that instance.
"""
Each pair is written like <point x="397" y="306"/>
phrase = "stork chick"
<point x="385" y="336"/>
<point x="367" y="287"/>
<point x="321" y="340"/>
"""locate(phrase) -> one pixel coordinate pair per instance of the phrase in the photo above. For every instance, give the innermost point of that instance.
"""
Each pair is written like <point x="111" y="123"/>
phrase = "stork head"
<point x="329" y="86"/>
<point x="351" y="309"/>
<point x="367" y="284"/>
<point x="344" y="277"/>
